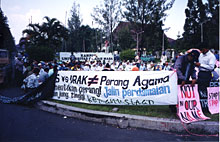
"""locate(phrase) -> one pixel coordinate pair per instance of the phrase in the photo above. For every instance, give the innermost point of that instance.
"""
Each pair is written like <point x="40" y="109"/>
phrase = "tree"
<point x="54" y="33"/>
<point x="211" y="28"/>
<point x="147" y="16"/>
<point x="42" y="41"/>
<point x="6" y="38"/>
<point x="74" y="24"/>
<point x="108" y="15"/>
<point x="40" y="53"/>
<point x="196" y="16"/>
<point x="125" y="39"/>
<point x="34" y="35"/>
<point x="50" y="34"/>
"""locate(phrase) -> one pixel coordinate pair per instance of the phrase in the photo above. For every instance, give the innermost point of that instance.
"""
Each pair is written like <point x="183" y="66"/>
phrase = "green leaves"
<point x="127" y="55"/>
<point x="50" y="33"/>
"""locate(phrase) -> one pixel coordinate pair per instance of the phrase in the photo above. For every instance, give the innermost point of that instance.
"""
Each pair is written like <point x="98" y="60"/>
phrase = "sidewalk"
<point x="133" y="121"/>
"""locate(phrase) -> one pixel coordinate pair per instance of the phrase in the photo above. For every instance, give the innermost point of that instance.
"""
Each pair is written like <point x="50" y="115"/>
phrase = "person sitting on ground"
<point x="166" y="66"/>
<point x="31" y="82"/>
<point x="107" y="68"/>
<point x="44" y="75"/>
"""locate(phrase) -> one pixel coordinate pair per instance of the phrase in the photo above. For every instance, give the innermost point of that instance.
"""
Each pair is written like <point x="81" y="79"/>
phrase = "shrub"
<point x="127" y="55"/>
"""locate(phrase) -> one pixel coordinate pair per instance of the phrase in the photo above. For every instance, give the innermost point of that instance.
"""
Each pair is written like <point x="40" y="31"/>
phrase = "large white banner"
<point x="117" y="87"/>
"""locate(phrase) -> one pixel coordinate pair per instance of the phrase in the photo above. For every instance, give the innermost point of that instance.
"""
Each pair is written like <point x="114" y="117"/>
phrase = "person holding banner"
<point x="185" y="67"/>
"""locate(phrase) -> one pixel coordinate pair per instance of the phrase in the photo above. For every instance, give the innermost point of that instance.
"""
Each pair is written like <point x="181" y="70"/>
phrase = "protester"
<point x="19" y="70"/>
<point x="32" y="82"/>
<point x="166" y="66"/>
<point x="206" y="64"/>
<point x="217" y="55"/>
<point x="128" y="67"/>
<point x="163" y="58"/>
<point x="100" y="67"/>
<point x="43" y="75"/>
<point x="142" y="67"/>
<point x="185" y="67"/>
<point x="87" y="67"/>
<point x="107" y="68"/>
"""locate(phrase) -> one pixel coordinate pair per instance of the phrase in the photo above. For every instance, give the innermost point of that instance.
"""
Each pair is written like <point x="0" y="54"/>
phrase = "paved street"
<point x="25" y="123"/>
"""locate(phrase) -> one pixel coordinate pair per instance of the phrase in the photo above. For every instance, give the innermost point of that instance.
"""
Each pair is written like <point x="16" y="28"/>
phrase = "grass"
<point x="151" y="111"/>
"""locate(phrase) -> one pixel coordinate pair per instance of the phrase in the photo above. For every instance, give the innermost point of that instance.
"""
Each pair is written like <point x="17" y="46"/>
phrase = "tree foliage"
<point x="201" y="24"/>
<point x="147" y="16"/>
<point x="40" y="53"/>
<point x="125" y="40"/>
<point x="107" y="16"/>
<point x="42" y="41"/>
<point x="50" y="33"/>
<point x="6" y="38"/>
<point x="74" y="24"/>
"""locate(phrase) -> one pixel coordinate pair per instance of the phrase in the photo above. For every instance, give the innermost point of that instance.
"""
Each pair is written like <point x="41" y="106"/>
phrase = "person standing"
<point x="163" y="58"/>
<point x="19" y="70"/>
<point x="206" y="65"/>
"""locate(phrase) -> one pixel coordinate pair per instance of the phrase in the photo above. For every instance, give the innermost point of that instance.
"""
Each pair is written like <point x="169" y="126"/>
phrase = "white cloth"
<point x="43" y="76"/>
<point x="31" y="81"/>
<point x="207" y="61"/>
<point x="163" y="59"/>
<point x="128" y="67"/>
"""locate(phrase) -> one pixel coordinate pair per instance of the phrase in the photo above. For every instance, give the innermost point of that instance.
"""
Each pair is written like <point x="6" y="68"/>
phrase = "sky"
<point x="21" y="12"/>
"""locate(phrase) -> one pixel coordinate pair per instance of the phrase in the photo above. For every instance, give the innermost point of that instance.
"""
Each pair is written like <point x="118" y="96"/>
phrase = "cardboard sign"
<point x="213" y="99"/>
<point x="189" y="104"/>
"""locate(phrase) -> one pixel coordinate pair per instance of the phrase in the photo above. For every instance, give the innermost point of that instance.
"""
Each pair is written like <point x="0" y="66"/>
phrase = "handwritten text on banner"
<point x="117" y="88"/>
<point x="189" y="105"/>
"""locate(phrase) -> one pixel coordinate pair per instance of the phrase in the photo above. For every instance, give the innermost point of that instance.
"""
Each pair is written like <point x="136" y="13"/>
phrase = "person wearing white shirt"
<point x="128" y="67"/>
<point x="31" y="82"/>
<point x="163" y="58"/>
<point x="166" y="67"/>
<point x="142" y="67"/>
<point x="100" y="67"/>
<point x="206" y="65"/>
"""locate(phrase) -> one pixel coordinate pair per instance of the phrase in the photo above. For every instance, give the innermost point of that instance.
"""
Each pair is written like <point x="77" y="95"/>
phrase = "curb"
<point x="126" y="120"/>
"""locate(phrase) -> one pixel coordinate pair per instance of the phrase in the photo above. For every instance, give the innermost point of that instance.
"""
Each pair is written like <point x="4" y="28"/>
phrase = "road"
<point x="26" y="123"/>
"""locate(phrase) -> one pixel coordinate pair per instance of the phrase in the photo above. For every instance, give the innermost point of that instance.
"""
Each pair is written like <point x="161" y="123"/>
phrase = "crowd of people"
<point x="33" y="73"/>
